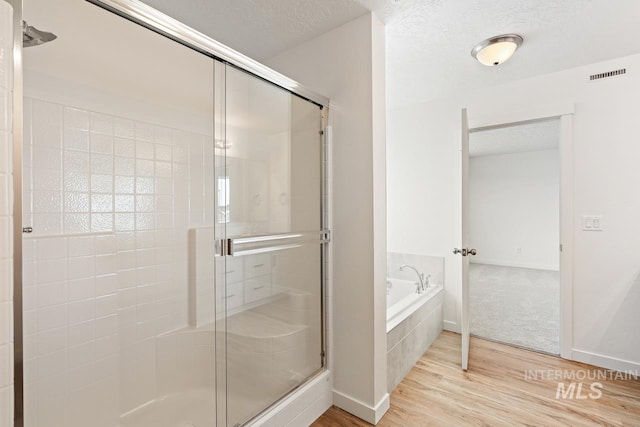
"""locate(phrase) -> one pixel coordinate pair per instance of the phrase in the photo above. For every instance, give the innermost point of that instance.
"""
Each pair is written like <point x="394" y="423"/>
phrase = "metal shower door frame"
<point x="160" y="23"/>
<point x="18" y="94"/>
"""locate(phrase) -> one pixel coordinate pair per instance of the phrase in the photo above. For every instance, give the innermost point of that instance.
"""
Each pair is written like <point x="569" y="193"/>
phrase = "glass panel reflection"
<point x="273" y="326"/>
<point x="273" y="282"/>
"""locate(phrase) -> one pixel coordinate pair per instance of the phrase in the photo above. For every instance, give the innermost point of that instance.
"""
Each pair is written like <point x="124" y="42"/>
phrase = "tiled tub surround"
<point x="409" y="338"/>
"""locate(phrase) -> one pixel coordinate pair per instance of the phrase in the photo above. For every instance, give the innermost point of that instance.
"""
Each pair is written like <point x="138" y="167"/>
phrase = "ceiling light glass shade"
<point x="496" y="50"/>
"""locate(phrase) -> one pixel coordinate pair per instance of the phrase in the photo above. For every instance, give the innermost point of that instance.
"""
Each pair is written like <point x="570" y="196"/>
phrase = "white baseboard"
<point x="500" y="263"/>
<point x="360" y="409"/>
<point x="603" y="361"/>
<point x="303" y="407"/>
<point x="450" y="325"/>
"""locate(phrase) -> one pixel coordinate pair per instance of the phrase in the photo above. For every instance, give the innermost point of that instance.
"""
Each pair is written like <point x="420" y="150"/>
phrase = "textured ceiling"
<point x="261" y="29"/>
<point x="428" y="41"/>
<point x="525" y="137"/>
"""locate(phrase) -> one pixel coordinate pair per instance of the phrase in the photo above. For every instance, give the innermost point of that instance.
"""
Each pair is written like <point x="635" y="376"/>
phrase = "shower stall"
<point x="174" y="227"/>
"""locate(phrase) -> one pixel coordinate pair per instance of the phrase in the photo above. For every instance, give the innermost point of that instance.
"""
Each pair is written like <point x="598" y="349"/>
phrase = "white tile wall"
<point x="71" y="333"/>
<point x="106" y="268"/>
<point x="6" y="216"/>
<point x="186" y="361"/>
<point x="89" y="172"/>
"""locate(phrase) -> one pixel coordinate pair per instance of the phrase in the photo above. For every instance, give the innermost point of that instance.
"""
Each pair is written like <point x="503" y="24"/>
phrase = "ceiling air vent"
<point x="608" y="74"/>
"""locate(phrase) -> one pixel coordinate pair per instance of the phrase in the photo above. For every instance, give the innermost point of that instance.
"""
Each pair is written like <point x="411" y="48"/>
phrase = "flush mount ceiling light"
<point x="496" y="50"/>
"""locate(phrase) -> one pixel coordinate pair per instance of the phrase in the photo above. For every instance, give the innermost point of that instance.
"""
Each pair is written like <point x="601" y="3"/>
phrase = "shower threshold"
<point x="193" y="408"/>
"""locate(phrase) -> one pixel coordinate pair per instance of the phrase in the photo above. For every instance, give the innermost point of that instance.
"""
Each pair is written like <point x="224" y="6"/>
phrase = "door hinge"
<point x="560" y="247"/>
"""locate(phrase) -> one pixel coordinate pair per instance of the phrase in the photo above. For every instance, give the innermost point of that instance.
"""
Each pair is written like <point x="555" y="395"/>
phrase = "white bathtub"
<point x="402" y="300"/>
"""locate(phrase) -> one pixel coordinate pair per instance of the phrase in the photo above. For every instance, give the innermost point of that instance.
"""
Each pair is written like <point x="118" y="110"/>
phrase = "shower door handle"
<point x="223" y="247"/>
<point x="250" y="245"/>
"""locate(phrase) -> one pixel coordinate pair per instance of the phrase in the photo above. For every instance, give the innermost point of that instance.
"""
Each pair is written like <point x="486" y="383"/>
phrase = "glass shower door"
<point x="118" y="161"/>
<point x="269" y="201"/>
<point x="141" y="161"/>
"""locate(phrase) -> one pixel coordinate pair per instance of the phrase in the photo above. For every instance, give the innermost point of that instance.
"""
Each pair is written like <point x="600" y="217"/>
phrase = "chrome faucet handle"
<point x="418" y="287"/>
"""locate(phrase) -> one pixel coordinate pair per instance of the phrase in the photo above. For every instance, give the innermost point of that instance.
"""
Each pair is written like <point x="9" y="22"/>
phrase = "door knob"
<point x="464" y="251"/>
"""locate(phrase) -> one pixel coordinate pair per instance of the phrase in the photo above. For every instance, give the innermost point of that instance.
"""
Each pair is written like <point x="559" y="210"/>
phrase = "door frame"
<point x="564" y="112"/>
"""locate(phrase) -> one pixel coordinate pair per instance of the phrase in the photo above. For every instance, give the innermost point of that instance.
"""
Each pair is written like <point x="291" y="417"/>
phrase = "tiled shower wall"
<point x="89" y="172"/>
<point x="6" y="216"/>
<point x="110" y="201"/>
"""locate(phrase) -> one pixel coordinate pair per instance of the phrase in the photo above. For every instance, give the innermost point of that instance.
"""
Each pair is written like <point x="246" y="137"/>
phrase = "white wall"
<point x="421" y="157"/>
<point x="424" y="202"/>
<point x="6" y="215"/>
<point x="514" y="209"/>
<point x="347" y="64"/>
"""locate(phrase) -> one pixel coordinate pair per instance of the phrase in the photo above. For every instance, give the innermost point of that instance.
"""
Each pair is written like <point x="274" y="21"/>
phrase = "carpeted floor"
<point x="518" y="306"/>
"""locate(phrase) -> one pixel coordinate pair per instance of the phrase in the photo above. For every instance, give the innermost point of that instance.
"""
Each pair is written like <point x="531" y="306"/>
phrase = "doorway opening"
<point x="514" y="222"/>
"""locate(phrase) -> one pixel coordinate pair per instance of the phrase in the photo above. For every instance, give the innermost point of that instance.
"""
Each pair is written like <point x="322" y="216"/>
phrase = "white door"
<point x="464" y="248"/>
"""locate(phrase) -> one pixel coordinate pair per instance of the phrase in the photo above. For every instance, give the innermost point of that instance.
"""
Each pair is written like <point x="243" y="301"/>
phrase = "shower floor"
<point x="195" y="408"/>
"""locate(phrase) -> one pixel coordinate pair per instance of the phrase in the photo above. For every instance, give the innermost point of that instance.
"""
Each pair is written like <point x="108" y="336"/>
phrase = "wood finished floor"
<point x="494" y="392"/>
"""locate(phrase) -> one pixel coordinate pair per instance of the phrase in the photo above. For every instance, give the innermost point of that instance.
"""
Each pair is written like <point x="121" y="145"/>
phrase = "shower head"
<point x="31" y="36"/>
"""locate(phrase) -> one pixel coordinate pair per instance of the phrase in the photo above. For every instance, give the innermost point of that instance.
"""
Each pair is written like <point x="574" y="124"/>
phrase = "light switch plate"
<point x="592" y="222"/>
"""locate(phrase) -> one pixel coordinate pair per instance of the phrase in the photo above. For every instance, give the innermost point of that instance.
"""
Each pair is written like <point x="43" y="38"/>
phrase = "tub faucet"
<point x="424" y="282"/>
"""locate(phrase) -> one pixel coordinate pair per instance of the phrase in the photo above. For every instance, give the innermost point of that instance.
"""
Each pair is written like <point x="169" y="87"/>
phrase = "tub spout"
<point x="424" y="282"/>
